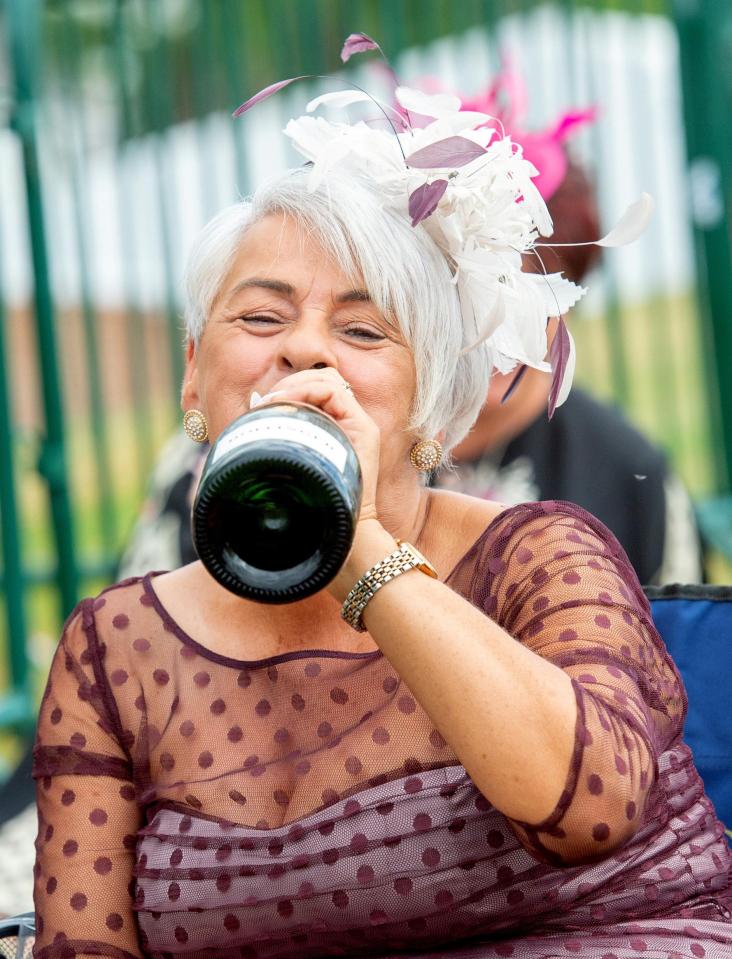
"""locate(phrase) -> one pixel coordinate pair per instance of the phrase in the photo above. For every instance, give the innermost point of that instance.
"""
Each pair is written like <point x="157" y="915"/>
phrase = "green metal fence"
<point x="114" y="125"/>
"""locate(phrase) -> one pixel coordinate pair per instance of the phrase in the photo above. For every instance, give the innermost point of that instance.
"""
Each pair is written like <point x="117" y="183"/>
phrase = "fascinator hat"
<point x="458" y="175"/>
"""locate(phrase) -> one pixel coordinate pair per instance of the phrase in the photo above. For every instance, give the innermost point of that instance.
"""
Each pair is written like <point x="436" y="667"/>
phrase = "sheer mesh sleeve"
<point x="560" y="583"/>
<point x="87" y="814"/>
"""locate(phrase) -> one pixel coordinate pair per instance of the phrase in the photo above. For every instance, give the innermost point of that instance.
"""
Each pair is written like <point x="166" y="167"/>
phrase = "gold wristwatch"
<point x="403" y="559"/>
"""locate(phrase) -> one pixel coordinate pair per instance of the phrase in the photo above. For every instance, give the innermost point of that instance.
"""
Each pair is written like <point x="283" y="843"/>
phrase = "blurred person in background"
<point x="587" y="453"/>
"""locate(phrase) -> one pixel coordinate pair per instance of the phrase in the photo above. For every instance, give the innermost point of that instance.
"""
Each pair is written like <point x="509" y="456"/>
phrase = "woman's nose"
<point x="306" y="348"/>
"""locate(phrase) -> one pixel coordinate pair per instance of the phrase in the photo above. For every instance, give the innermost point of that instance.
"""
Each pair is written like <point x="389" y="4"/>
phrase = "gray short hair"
<point x="402" y="268"/>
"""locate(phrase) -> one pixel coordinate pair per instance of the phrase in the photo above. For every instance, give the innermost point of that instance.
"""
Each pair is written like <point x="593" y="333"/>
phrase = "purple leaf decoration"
<point x="357" y="43"/>
<point x="513" y="385"/>
<point x="559" y="353"/>
<point x="423" y="201"/>
<point x="263" y="94"/>
<point x="452" y="151"/>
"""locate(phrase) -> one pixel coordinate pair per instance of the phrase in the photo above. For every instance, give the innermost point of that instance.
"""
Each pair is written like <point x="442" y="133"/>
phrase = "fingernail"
<point x="268" y="397"/>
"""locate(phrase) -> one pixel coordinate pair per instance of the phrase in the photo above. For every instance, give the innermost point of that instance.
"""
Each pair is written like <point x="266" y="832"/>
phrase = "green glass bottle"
<point x="277" y="504"/>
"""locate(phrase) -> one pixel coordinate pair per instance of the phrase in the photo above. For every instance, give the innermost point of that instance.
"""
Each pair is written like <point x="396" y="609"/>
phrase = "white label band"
<point x="288" y="429"/>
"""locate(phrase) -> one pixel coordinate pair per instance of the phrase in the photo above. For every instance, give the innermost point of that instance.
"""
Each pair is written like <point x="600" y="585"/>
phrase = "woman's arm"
<point x="559" y="730"/>
<point x="87" y="810"/>
<point x="474" y="680"/>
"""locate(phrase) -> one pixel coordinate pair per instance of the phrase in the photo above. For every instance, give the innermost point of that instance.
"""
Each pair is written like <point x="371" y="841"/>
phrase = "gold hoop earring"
<point x="426" y="455"/>
<point x="195" y="426"/>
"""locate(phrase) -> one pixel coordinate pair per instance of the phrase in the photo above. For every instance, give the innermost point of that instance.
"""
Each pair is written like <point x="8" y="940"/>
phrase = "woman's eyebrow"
<point x="354" y="296"/>
<point x="278" y="286"/>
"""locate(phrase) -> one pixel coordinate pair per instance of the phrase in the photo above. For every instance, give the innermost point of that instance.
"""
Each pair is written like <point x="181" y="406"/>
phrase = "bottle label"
<point x="288" y="429"/>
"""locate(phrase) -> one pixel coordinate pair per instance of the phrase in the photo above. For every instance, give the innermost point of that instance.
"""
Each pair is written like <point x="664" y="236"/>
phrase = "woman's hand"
<point x="327" y="390"/>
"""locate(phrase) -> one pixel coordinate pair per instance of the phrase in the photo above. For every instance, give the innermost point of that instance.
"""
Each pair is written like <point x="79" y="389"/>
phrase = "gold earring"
<point x="195" y="426"/>
<point x="426" y="455"/>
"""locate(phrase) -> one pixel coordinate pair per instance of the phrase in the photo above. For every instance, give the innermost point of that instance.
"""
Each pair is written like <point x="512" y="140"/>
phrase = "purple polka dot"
<point x="223" y="882"/>
<point x="621" y="765"/>
<point x="422" y="822"/>
<point x="141" y="645"/>
<point x="263" y="707"/>
<point x="364" y="875"/>
<point x="174" y="892"/>
<point x="70" y="847"/>
<point x="431" y="857"/>
<point x="114" y="921"/>
<point x="403" y="886"/>
<point x="339" y="695"/>
<point x="78" y="741"/>
<point x="217" y="707"/>
<point x="180" y="934"/>
<point x="324" y="730"/>
<point x="231" y="923"/>
<point x="298" y="703"/>
<point x="205" y="759"/>
<point x="495" y="839"/>
<point x="603" y="621"/>
<point x="630" y="810"/>
<point x="390" y="684"/>
<point x="312" y="670"/>
<point x="302" y="767"/>
<point x="51" y="885"/>
<point x="235" y="734"/>
<point x="572" y="578"/>
<point x="353" y="765"/>
<point x="380" y="736"/>
<point x="568" y="636"/>
<point x="600" y="831"/>
<point x="67" y="797"/>
<point x="351" y="807"/>
<point x="161" y="677"/>
<point x="514" y="897"/>
<point x="437" y="740"/>
<point x="413" y="785"/>
<point x="78" y="901"/>
<point x="340" y="899"/>
<point x="359" y="844"/>
<point x="594" y="784"/>
<point x="237" y="797"/>
<point x="202" y="679"/>
<point x="121" y="621"/>
<point x="102" y="865"/>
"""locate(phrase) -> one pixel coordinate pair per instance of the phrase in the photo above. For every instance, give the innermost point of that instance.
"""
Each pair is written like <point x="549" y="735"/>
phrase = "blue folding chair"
<point x="695" y="622"/>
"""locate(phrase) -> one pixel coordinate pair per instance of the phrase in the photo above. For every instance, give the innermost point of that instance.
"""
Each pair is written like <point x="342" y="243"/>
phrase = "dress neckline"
<point x="173" y="627"/>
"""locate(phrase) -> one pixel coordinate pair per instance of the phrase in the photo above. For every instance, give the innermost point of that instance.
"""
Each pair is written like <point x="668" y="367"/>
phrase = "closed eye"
<point x="259" y="319"/>
<point x="363" y="333"/>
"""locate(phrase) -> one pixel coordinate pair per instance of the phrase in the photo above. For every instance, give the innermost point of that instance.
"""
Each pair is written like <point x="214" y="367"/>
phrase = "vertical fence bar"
<point x="15" y="705"/>
<point x="705" y="37"/>
<point x="137" y="356"/>
<point x="24" y="25"/>
<point x="72" y="51"/>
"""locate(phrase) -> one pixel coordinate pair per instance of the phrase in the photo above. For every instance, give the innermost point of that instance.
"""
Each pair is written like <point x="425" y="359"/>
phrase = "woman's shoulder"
<point x="485" y="528"/>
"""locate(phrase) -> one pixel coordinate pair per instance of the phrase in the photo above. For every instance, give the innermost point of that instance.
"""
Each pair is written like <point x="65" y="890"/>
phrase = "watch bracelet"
<point x="398" y="562"/>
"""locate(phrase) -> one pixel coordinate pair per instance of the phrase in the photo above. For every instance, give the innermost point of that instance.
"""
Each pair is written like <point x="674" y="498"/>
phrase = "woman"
<point x="494" y="768"/>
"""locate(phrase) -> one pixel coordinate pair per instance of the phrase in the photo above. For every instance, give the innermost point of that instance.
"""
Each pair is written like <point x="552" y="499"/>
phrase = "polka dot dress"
<point x="305" y="805"/>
